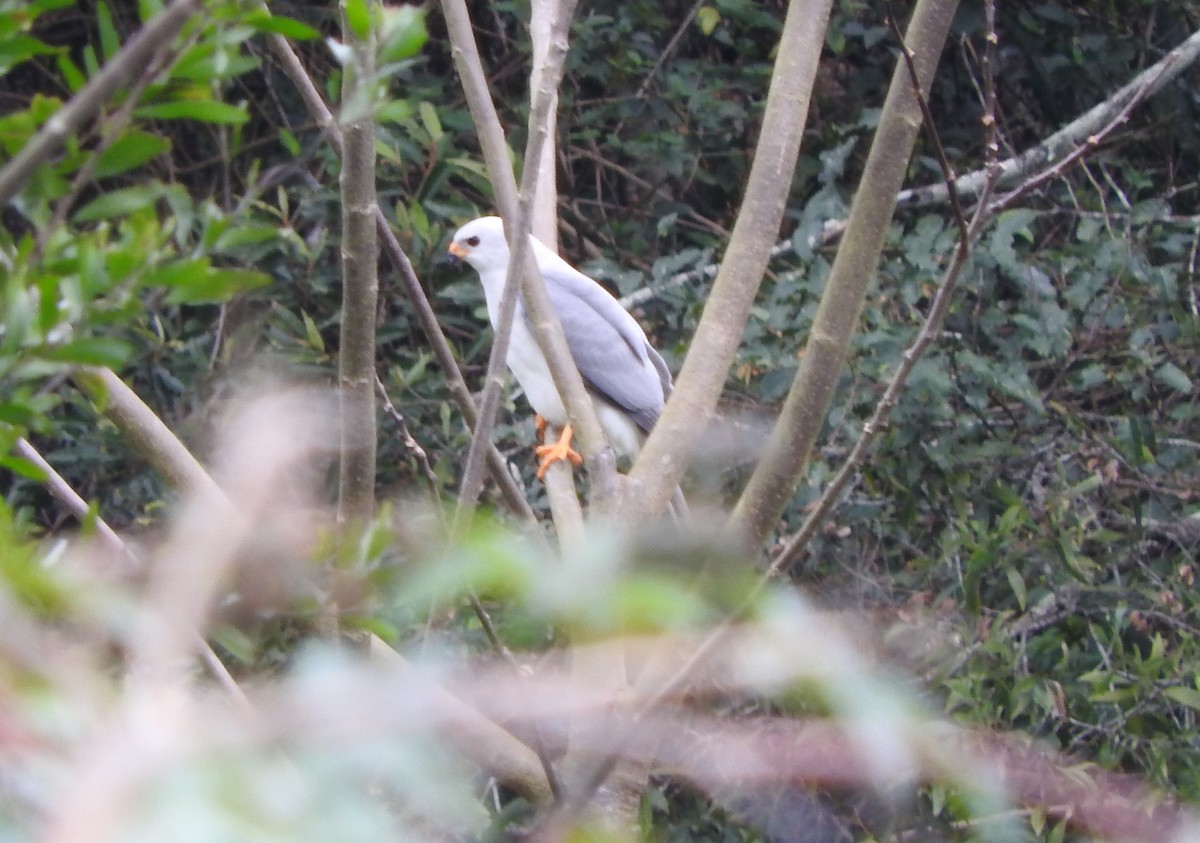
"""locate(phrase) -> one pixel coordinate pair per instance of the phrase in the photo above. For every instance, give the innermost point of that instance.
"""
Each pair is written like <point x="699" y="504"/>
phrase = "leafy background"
<point x="1025" y="536"/>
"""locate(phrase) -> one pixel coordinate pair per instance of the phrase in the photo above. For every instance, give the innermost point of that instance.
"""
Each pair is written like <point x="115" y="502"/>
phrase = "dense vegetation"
<point x="1023" y="540"/>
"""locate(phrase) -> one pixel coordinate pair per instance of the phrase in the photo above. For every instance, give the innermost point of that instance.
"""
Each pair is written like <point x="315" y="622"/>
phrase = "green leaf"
<point x="178" y="273"/>
<point x="110" y="42"/>
<point x="290" y="143"/>
<point x="92" y="351"/>
<point x="708" y="18"/>
<point x="358" y="18"/>
<point x="131" y="150"/>
<point x="1017" y="583"/>
<point x="71" y="73"/>
<point x="402" y="34"/>
<point x="244" y="235"/>
<point x="147" y="9"/>
<point x="1182" y="694"/>
<point x="395" y="111"/>
<point x="217" y="285"/>
<point x="208" y="111"/>
<point x="429" y="120"/>
<point x="1174" y="377"/>
<point x="23" y="467"/>
<point x="20" y="48"/>
<point x="120" y="203"/>
<point x="287" y="27"/>
<point x="312" y="333"/>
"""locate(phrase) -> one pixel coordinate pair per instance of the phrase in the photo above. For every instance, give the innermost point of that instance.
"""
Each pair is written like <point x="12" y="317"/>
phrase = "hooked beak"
<point x="455" y="255"/>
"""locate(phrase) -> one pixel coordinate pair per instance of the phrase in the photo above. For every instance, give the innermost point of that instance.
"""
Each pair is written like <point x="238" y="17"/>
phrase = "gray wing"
<point x="609" y="347"/>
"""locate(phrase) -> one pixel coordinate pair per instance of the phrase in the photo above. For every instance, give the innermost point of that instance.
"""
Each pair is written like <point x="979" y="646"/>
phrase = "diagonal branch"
<point x="1145" y="84"/>
<point x="676" y="436"/>
<point x="792" y="439"/>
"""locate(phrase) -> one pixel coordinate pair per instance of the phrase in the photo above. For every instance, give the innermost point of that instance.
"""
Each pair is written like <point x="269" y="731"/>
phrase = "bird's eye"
<point x="472" y="241"/>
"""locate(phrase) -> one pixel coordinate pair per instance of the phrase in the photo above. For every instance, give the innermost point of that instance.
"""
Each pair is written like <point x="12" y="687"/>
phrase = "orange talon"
<point x="539" y="428"/>
<point x="560" y="450"/>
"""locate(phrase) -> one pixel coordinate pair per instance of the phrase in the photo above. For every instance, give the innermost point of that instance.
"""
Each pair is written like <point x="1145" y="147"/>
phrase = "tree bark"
<point x="360" y="284"/>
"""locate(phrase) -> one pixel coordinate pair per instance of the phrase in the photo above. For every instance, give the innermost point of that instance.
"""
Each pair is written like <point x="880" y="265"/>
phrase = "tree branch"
<point x="514" y="495"/>
<point x="787" y="451"/>
<point x="1147" y="83"/>
<point x="676" y="436"/>
<point x="360" y="283"/>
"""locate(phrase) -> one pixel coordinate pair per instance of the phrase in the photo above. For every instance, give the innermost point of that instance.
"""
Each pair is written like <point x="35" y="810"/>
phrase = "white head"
<point x="481" y="243"/>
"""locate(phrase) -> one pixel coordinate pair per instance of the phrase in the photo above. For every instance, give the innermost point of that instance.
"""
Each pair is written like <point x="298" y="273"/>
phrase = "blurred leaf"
<point x="1184" y="695"/>
<point x="92" y="351"/>
<point x="216" y="285"/>
<point x="312" y="333"/>
<point x="72" y="75"/>
<point x="403" y="33"/>
<point x="17" y="49"/>
<point x="264" y="21"/>
<point x="131" y="150"/>
<point x="207" y="111"/>
<point x="1175" y="378"/>
<point x="429" y="120"/>
<point x="110" y="42"/>
<point x="358" y="18"/>
<point x="120" y="203"/>
<point x="23" y="467"/>
<point x="708" y="18"/>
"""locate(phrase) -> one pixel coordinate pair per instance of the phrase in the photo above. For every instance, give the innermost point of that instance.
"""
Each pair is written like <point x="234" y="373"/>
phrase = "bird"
<point x="625" y="375"/>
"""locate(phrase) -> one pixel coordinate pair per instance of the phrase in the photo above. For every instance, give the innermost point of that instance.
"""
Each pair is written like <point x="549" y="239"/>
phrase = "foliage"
<point x="1024" y="538"/>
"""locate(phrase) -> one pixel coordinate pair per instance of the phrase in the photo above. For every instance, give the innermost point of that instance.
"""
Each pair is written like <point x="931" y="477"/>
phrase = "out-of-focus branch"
<point x="77" y="506"/>
<point x="145" y="431"/>
<point x="787" y="451"/>
<point x="676" y="436"/>
<point x="129" y="61"/>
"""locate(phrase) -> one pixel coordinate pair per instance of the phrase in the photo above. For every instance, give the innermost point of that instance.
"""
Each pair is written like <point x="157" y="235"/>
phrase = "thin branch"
<point x="1145" y="84"/>
<point x="418" y="454"/>
<point x="514" y="495"/>
<point x="360" y="283"/>
<point x="1093" y="141"/>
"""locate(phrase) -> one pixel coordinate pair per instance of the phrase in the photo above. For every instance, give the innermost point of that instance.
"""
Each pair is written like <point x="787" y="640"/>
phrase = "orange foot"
<point x="539" y="428"/>
<point x="560" y="450"/>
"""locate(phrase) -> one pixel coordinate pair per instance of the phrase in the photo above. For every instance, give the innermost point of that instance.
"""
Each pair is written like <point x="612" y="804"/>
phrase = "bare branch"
<point x="1052" y="149"/>
<point x="795" y="432"/>
<point x="514" y="495"/>
<point x="668" y="450"/>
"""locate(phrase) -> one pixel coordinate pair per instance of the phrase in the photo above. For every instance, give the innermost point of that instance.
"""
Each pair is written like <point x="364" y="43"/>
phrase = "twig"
<point x="1090" y="144"/>
<point x="419" y="455"/>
